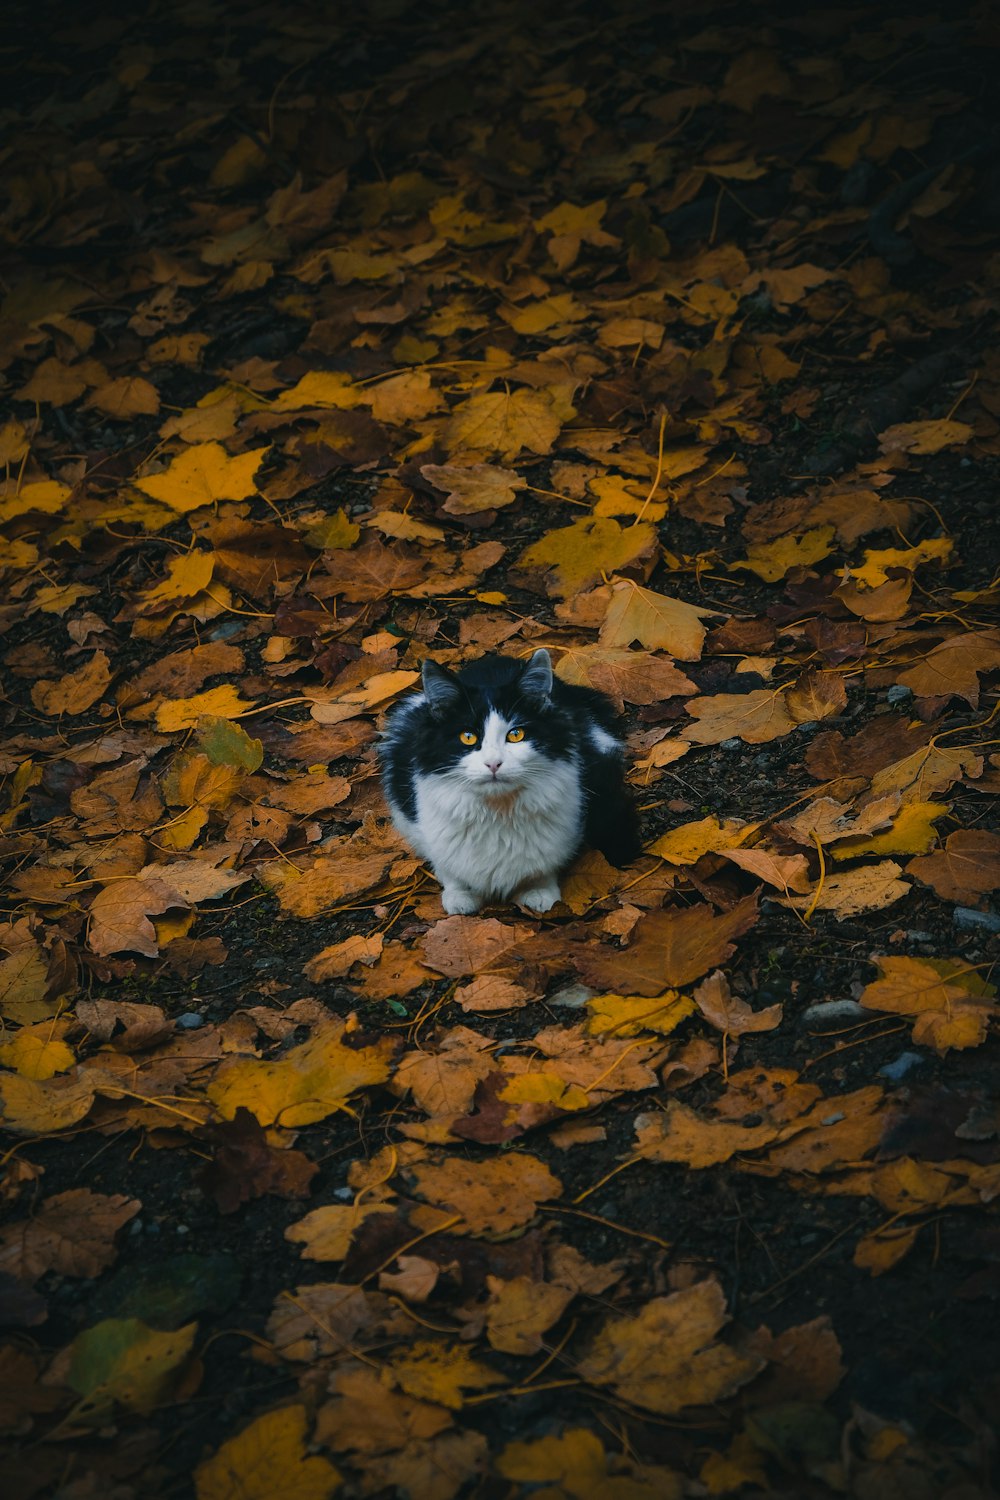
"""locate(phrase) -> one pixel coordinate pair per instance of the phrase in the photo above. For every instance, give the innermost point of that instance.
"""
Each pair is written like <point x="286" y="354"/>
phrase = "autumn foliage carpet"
<point x="662" y="339"/>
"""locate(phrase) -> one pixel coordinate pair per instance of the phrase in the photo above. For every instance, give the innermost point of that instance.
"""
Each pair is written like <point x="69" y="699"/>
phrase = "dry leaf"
<point x="664" y="1358"/>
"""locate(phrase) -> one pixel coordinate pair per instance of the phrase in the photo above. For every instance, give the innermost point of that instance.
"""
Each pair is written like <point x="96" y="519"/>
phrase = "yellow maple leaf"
<point x="685" y="845"/>
<point x="630" y="1015"/>
<point x="912" y="832"/>
<point x="656" y="621"/>
<point x="574" y="557"/>
<point x="37" y="1052"/>
<point x="440" y="1372"/>
<point x="874" y="569"/>
<point x="307" y="1084"/>
<point x="265" y="1460"/>
<point x="772" y="560"/>
<point x="203" y="474"/>
<point x="187" y="574"/>
<point x="664" y="1358"/>
<point x="183" y="713"/>
<point x="507" y="422"/>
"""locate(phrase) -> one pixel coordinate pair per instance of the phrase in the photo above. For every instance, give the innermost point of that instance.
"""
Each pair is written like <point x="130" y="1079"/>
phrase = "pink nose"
<point x="494" y="765"/>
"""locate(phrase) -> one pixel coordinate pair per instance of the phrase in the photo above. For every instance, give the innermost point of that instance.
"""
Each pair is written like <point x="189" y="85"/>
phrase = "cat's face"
<point x="494" y="740"/>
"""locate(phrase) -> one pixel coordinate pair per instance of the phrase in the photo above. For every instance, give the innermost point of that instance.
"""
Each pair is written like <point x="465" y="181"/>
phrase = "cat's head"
<point x="492" y="727"/>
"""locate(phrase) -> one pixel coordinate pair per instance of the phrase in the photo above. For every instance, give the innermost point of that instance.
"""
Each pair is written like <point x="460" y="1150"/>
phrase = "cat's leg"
<point x="541" y="897"/>
<point x="457" y="900"/>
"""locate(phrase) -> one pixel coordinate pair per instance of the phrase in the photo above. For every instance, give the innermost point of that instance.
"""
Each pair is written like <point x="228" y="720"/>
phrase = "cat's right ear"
<point x="440" y="686"/>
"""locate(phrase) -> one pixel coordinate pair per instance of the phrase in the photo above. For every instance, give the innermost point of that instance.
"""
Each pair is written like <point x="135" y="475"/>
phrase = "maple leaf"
<point x="669" y="948"/>
<point x="755" y="717"/>
<point x="625" y="676"/>
<point x="474" y="487"/>
<point x="520" y="1311"/>
<point x="265" y="1459"/>
<point x="507" y="422"/>
<point x="679" y="1134"/>
<point x="574" y="557"/>
<point x="656" y="621"/>
<point x="665" y="1358"/>
<point x="966" y="868"/>
<point x="727" y="1013"/>
<point x="307" y="1084"/>
<point x="952" y="667"/>
<point x="203" y="474"/>
<point x="487" y="1197"/>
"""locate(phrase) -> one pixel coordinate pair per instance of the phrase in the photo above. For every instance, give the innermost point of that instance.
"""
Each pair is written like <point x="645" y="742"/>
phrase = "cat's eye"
<point x="515" y="736"/>
<point x="468" y="737"/>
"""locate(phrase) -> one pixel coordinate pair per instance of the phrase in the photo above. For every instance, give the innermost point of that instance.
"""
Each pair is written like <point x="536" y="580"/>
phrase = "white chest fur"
<point x="500" y="845"/>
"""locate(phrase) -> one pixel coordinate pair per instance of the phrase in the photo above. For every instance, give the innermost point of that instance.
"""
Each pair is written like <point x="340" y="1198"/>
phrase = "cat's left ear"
<point x="440" y="687"/>
<point x="536" y="679"/>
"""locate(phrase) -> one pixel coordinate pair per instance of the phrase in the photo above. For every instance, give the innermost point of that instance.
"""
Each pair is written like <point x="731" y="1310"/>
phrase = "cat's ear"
<point x="536" y="679"/>
<point x="440" y="686"/>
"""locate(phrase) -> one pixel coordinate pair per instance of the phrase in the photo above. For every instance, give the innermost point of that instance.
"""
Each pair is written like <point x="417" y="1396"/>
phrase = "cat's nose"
<point x="494" y="766"/>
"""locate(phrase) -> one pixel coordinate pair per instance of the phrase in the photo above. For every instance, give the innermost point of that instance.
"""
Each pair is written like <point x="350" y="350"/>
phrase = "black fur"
<point x="425" y="739"/>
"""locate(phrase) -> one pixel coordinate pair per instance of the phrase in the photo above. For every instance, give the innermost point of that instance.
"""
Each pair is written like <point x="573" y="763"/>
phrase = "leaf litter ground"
<point x="683" y="370"/>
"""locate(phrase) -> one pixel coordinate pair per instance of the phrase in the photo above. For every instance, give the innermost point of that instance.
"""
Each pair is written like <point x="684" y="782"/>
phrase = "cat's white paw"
<point x="458" y="902"/>
<point x="540" y="897"/>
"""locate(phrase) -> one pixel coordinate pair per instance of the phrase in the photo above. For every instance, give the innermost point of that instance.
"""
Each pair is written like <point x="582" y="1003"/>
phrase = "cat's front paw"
<point x="540" y="897"/>
<point x="458" y="902"/>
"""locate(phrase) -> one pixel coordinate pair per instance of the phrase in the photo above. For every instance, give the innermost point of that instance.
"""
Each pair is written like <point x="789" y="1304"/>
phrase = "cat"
<point x="499" y="774"/>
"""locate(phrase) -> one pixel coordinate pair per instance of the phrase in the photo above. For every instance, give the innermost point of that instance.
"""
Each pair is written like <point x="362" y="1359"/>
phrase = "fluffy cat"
<point x="499" y="774"/>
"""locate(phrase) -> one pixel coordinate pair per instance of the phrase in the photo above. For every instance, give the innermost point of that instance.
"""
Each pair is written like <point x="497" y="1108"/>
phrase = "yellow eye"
<point x="515" y="736"/>
<point x="468" y="738"/>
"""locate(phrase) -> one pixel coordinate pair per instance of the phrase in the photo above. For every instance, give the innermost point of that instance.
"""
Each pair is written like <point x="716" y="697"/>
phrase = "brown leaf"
<point x="120" y="913"/>
<point x="664" y="1358"/>
<point x="76" y="691"/>
<point x="668" y="948"/>
<point x="967" y="868"/>
<point x="625" y="676"/>
<point x="726" y="1013"/>
<point x="72" y="1233"/>
<point x="753" y="717"/>
<point x="491" y="1197"/>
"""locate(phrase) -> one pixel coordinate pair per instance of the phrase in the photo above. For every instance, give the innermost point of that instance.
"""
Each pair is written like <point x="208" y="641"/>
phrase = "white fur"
<point x="603" y="741"/>
<point x="502" y="822"/>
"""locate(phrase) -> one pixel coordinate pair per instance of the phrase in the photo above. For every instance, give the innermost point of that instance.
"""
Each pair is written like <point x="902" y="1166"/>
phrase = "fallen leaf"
<point x="120" y="913"/>
<point x="520" y="1311"/>
<point x="655" y="621"/>
<point x="474" y="487"/>
<point x="202" y="474"/>
<point x="727" y="1013"/>
<point x="664" y="1358"/>
<point x="266" y="1459"/>
<point x="967" y="868"/>
<point x="490" y="1197"/>
<point x="123" y="1362"/>
<point x="77" y="691"/>
<point x="574" y="557"/>
<point x="753" y="717"/>
<point x="311" y="1081"/>
<point x="72" y="1232"/>
<point x="668" y="948"/>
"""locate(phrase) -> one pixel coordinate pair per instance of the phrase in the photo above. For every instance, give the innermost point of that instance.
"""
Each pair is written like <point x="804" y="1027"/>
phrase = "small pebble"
<point x="904" y="1063"/>
<point x="898" y="693"/>
<point x="345" y="1194"/>
<point x="572" y="995"/>
<point x="191" y="1020"/>
<point x="968" y="917"/>
<point x="833" y="1010"/>
<point x="916" y="936"/>
<point x="733" y="744"/>
<point x="182" y="1229"/>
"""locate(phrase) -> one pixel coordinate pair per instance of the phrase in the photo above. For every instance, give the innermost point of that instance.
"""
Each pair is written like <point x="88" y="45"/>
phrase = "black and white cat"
<point x="499" y="774"/>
